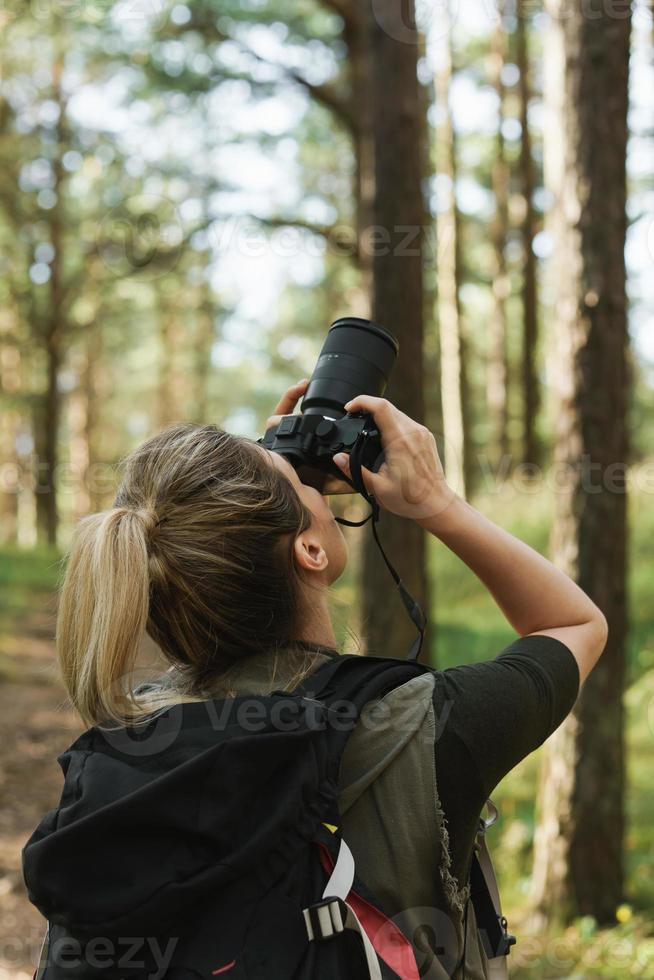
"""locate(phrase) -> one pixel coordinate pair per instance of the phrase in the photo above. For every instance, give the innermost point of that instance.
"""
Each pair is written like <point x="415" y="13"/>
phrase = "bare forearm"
<point x="531" y="592"/>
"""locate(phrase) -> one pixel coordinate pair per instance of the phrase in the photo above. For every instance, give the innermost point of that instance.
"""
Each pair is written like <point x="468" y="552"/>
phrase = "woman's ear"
<point x="309" y="553"/>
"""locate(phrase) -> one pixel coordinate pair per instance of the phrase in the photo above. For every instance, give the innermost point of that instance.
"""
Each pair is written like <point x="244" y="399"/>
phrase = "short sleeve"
<point x="503" y="709"/>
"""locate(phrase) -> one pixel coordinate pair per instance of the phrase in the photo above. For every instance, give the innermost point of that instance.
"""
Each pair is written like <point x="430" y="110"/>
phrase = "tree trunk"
<point x="84" y="420"/>
<point x="399" y="217"/>
<point x="78" y="442"/>
<point x="579" y="840"/>
<point x="48" y="429"/>
<point x="452" y="347"/>
<point x="53" y="330"/>
<point x="431" y="344"/>
<point x="93" y="390"/>
<point x="10" y="385"/>
<point x="497" y="368"/>
<point x="175" y="388"/>
<point x="166" y="406"/>
<point x="9" y="477"/>
<point x="530" y="382"/>
<point x="203" y="342"/>
<point x="357" y="38"/>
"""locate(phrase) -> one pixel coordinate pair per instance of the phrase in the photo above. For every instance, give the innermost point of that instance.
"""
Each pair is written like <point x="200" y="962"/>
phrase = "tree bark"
<point x="530" y="383"/>
<point x="204" y="340"/>
<point x="358" y="40"/>
<point x="431" y="344"/>
<point x="578" y="866"/>
<point x="452" y="345"/>
<point x="9" y="477"/>
<point x="78" y="443"/>
<point x="47" y="513"/>
<point x="399" y="220"/>
<point x="93" y="418"/>
<point x="166" y="402"/>
<point x="10" y="386"/>
<point x="47" y="422"/>
<point x="497" y="367"/>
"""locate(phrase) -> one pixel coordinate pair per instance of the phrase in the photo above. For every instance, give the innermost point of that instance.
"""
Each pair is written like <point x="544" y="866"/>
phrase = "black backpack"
<point x="271" y="891"/>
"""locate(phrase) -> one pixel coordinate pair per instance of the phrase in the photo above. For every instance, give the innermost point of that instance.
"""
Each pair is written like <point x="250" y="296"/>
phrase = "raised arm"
<point x="535" y="596"/>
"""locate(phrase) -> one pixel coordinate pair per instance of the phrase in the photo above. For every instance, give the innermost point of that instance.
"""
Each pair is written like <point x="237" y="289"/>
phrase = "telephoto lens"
<point x="356" y="359"/>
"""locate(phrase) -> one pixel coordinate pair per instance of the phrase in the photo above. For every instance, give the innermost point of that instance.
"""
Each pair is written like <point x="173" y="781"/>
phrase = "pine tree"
<point x="400" y="217"/>
<point x="530" y="379"/>
<point x="578" y="866"/>
<point x="453" y="377"/>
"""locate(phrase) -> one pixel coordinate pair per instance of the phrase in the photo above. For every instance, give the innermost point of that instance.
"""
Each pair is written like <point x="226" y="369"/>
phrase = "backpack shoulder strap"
<point x="359" y="677"/>
<point x="350" y="681"/>
<point x="485" y="897"/>
<point x="356" y="680"/>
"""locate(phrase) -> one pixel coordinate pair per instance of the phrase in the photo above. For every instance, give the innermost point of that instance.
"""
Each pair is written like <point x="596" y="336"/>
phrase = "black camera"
<point x="356" y="359"/>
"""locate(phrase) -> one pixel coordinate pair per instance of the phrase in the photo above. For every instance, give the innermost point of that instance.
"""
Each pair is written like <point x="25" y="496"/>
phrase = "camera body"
<point x="310" y="443"/>
<point x="356" y="359"/>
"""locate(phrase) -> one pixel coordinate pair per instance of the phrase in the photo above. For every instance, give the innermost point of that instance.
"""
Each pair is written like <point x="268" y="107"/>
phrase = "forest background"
<point x="190" y="193"/>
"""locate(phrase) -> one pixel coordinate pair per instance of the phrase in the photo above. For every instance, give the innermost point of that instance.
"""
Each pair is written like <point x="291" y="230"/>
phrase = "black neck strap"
<point x="413" y="609"/>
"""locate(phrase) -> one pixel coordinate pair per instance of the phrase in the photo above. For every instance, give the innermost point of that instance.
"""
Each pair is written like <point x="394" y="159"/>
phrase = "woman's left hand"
<point x="287" y="402"/>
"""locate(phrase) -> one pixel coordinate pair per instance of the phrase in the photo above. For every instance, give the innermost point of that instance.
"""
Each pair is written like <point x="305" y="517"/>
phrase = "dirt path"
<point x="35" y="726"/>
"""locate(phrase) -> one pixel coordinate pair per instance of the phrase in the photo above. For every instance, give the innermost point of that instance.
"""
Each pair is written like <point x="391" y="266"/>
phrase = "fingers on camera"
<point x="342" y="460"/>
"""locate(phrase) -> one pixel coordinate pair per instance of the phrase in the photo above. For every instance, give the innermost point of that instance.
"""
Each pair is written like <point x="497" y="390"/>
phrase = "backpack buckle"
<point x="325" y="919"/>
<point x="506" y="940"/>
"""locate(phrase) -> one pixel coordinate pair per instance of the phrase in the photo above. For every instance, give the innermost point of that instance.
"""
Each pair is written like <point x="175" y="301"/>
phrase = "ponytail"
<point x="198" y="552"/>
<point x="103" y="611"/>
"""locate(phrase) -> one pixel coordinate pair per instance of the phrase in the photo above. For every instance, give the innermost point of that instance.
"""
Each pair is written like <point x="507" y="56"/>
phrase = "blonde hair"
<point x="198" y="551"/>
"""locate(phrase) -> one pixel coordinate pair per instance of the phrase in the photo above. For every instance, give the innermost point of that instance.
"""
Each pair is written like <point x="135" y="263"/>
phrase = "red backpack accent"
<point x="389" y="941"/>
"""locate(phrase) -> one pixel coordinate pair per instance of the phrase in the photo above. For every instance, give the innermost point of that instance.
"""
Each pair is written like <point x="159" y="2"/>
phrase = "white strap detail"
<point x="43" y="955"/>
<point x="325" y="920"/>
<point x="337" y="918"/>
<point x="342" y="876"/>
<point x="339" y="885"/>
<point x="494" y="814"/>
<point x="307" y="922"/>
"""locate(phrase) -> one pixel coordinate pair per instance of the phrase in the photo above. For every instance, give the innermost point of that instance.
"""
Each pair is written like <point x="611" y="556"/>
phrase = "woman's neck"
<point x="316" y="626"/>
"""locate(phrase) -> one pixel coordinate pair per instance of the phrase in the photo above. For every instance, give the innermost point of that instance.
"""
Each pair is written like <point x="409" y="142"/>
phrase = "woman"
<point x="219" y="551"/>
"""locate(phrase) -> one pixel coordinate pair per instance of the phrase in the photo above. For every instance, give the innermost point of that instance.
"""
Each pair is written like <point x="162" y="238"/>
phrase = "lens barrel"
<point x="356" y="359"/>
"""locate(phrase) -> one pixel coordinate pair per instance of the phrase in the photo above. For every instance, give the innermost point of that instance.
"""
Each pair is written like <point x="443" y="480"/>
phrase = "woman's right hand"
<point x="411" y="482"/>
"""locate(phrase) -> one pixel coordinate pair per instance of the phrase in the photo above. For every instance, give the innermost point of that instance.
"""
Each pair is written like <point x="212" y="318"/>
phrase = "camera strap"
<point x="412" y="607"/>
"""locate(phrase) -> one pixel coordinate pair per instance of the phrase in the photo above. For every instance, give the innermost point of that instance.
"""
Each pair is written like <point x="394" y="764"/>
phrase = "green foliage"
<point x="23" y="572"/>
<point x="470" y="627"/>
<point x="585" y="952"/>
<point x="148" y="332"/>
<point x="28" y="580"/>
